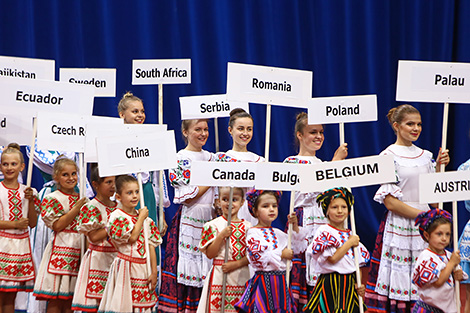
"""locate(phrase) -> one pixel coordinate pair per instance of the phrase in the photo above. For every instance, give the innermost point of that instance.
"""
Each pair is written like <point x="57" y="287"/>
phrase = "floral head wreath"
<point x="325" y="198"/>
<point x="253" y="195"/>
<point x="425" y="219"/>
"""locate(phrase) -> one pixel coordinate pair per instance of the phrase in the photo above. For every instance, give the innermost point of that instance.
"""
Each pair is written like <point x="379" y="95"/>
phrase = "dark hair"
<point x="435" y="223"/>
<point x="236" y="114"/>
<point x="14" y="148"/>
<point x="257" y="195"/>
<point x="397" y="114"/>
<point x="121" y="180"/>
<point x="124" y="102"/>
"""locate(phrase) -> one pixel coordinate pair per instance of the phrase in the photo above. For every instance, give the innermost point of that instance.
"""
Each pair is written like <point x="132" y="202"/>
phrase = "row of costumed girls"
<point x="186" y="268"/>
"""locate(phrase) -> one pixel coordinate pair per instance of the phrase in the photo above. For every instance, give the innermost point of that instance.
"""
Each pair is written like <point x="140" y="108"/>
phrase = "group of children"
<point x="113" y="275"/>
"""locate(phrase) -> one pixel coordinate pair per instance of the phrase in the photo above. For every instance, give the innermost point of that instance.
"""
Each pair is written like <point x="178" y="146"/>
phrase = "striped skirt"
<point x="267" y="292"/>
<point x="334" y="293"/>
<point x="421" y="307"/>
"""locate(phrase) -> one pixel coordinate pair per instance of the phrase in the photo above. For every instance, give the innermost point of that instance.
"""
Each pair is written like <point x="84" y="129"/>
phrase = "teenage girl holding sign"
<point x="398" y="244"/>
<point x="185" y="267"/>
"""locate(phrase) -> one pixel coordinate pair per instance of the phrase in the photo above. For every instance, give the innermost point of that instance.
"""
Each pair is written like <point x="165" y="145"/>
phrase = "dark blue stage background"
<point x="352" y="47"/>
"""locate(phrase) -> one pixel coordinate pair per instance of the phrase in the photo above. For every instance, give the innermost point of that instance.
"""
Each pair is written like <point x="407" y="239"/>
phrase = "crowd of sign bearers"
<point x="111" y="276"/>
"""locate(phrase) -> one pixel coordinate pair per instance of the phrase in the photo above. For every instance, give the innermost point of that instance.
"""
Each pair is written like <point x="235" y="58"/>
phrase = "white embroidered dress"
<point x="402" y="242"/>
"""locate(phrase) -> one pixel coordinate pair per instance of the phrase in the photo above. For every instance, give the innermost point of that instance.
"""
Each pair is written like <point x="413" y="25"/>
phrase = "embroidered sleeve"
<point x="119" y="229"/>
<point x="365" y="255"/>
<point x="224" y="157"/>
<point x="89" y="219"/>
<point x="299" y="240"/>
<point x="155" y="237"/>
<point x="207" y="237"/>
<point x="51" y="211"/>
<point x="179" y="178"/>
<point x="426" y="272"/>
<point x="323" y="241"/>
<point x="156" y="188"/>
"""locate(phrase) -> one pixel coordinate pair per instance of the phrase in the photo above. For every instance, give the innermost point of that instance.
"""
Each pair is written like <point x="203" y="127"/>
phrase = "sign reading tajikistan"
<point x="231" y="174"/>
<point x="102" y="79"/>
<point x="154" y="72"/>
<point x="27" y="68"/>
<point x="444" y="187"/>
<point x="211" y="106"/>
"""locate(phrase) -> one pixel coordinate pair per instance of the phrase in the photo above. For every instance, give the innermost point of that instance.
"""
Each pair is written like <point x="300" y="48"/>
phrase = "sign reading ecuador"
<point x="350" y="173"/>
<point x="444" y="187"/>
<point x="269" y="85"/>
<point x="154" y="72"/>
<point x="433" y="82"/>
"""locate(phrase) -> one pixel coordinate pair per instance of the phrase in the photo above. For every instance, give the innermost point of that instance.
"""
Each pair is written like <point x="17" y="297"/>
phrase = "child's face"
<point x="107" y="187"/>
<point x="337" y="212"/>
<point x="242" y="131"/>
<point x="224" y="198"/>
<point x="197" y="134"/>
<point x="267" y="210"/>
<point x="67" y="178"/>
<point x="129" y="196"/>
<point x="11" y="166"/>
<point x="134" y="114"/>
<point x="439" y="239"/>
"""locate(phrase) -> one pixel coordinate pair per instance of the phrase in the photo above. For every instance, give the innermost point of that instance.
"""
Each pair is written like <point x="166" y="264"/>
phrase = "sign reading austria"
<point x="444" y="187"/>
<point x="210" y="106"/>
<point x="154" y="72"/>
<point x="269" y="85"/>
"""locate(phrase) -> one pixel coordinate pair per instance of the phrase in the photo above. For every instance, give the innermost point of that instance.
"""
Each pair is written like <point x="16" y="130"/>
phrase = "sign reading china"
<point x="27" y="68"/>
<point x="269" y="85"/>
<point x="444" y="187"/>
<point x="231" y="174"/>
<point x="154" y="72"/>
<point x="102" y="79"/>
<point x="211" y="106"/>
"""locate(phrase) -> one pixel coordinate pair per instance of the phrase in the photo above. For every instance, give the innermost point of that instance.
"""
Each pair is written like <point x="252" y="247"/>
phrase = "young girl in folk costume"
<point x="398" y="244"/>
<point x="240" y="127"/>
<point x="309" y="139"/>
<point x="131" y="110"/>
<point x="58" y="271"/>
<point x="436" y="268"/>
<point x="464" y="246"/>
<point x="130" y="288"/>
<point x="16" y="261"/>
<point x="94" y="268"/>
<point x="333" y="257"/>
<point x="214" y="235"/>
<point x="185" y="267"/>
<point x="267" y="250"/>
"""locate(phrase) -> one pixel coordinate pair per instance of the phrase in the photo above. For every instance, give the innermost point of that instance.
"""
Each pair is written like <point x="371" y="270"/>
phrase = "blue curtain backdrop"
<point x="352" y="47"/>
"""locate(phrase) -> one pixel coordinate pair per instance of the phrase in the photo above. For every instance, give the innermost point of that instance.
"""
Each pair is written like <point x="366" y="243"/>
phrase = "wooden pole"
<point x="146" y="239"/>
<point x="29" y="173"/>
<point x="456" y="247"/>
<point x="268" y="132"/>
<point x="227" y="247"/>
<point x="445" y="119"/>
<point x="357" y="255"/>
<point x="216" y="131"/>
<point x="289" y="236"/>
<point x="81" y="160"/>
<point x="160" y="173"/>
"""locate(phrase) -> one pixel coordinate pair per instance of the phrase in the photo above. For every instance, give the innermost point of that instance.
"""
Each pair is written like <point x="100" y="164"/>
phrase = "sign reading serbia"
<point x="136" y="153"/>
<point x="342" y="109"/>
<point x="208" y="106"/>
<point x="27" y="68"/>
<point x="269" y="85"/>
<point x="232" y="174"/>
<point x="154" y="72"/>
<point x="43" y="95"/>
<point x="444" y="187"/>
<point x="348" y="173"/>
<point x="433" y="82"/>
<point x="102" y="79"/>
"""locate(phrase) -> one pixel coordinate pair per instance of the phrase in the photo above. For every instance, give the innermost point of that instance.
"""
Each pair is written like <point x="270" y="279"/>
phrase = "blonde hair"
<point x="59" y="165"/>
<point x="14" y="148"/>
<point x="125" y="100"/>
<point x="185" y="124"/>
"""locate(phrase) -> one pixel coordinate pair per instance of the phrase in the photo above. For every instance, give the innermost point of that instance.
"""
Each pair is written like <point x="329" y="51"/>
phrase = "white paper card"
<point x="136" y="153"/>
<point x="444" y="187"/>
<point x="350" y="173"/>
<point x="27" y="68"/>
<point x="277" y="176"/>
<point x="342" y="109"/>
<point x="62" y="132"/>
<point x="232" y="174"/>
<point x="43" y="95"/>
<point x="210" y="106"/>
<point x="154" y="72"/>
<point x="15" y="127"/>
<point x="99" y="126"/>
<point x="269" y="85"/>
<point x="102" y="79"/>
<point x="433" y="82"/>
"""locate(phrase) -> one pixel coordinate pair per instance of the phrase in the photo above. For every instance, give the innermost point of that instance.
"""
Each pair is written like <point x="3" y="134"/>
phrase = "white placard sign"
<point x="444" y="187"/>
<point x="269" y="85"/>
<point x="27" y="68"/>
<point x="232" y="174"/>
<point x="342" y="109"/>
<point x="350" y="173"/>
<point x="136" y="153"/>
<point x="154" y="72"/>
<point x="278" y="176"/>
<point x="99" y="126"/>
<point x="102" y="79"/>
<point x="43" y="95"/>
<point x="63" y="132"/>
<point x="15" y="127"/>
<point x="433" y="82"/>
<point x="211" y="106"/>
